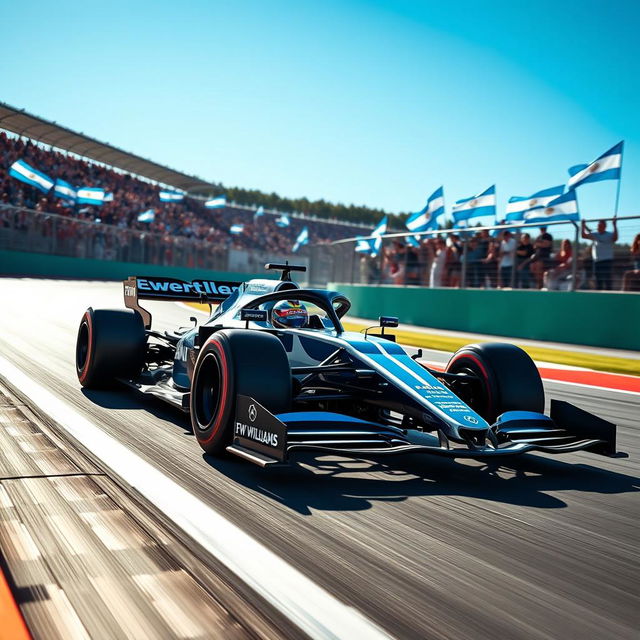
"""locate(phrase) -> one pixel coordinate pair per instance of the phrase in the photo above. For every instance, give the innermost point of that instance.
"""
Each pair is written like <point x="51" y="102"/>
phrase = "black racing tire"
<point x="111" y="344"/>
<point x="236" y="362"/>
<point x="507" y="379"/>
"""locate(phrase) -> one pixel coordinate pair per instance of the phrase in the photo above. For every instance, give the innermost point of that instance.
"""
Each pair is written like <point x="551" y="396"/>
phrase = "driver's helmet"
<point x="289" y="314"/>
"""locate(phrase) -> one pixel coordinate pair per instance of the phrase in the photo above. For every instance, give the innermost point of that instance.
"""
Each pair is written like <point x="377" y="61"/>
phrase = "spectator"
<point x="631" y="279"/>
<point x="454" y="263"/>
<point x="490" y="264"/>
<point x="438" y="264"/>
<point x="505" y="257"/>
<point x="562" y="270"/>
<point x="524" y="253"/>
<point x="475" y="254"/>
<point x="541" y="260"/>
<point x="602" y="252"/>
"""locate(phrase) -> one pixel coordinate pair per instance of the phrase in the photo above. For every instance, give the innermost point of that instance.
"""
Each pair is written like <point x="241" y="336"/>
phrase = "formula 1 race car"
<point x="272" y="372"/>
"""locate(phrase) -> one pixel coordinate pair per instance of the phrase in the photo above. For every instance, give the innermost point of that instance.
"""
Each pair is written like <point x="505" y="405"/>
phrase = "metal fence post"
<point x="463" y="277"/>
<point x="574" y="259"/>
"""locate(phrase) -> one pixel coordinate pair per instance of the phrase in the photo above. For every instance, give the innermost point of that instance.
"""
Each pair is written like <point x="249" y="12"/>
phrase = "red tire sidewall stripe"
<point x="482" y="368"/>
<point x="223" y="396"/>
<point x="85" y="369"/>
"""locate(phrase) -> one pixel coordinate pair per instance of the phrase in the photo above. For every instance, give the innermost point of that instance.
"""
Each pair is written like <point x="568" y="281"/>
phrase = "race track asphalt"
<point x="543" y="547"/>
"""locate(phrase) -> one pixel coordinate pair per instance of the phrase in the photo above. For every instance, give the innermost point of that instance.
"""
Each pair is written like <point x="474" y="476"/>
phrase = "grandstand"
<point x="179" y="232"/>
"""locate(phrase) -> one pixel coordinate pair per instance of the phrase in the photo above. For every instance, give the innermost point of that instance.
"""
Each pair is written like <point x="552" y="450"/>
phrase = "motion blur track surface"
<point x="545" y="547"/>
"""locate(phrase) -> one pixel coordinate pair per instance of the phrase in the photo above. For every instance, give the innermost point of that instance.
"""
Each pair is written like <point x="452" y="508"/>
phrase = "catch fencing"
<point x="561" y="259"/>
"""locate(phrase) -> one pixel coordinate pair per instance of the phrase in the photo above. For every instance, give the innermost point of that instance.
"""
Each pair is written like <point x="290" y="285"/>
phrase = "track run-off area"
<point x="410" y="547"/>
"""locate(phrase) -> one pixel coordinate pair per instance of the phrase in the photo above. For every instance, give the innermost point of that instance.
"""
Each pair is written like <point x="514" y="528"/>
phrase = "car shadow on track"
<point x="338" y="484"/>
<point x="333" y="483"/>
<point x="118" y="398"/>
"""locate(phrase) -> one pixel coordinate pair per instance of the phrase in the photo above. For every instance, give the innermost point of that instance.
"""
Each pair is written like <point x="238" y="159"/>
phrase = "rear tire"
<point x="110" y="344"/>
<point x="236" y="362"/>
<point x="508" y="379"/>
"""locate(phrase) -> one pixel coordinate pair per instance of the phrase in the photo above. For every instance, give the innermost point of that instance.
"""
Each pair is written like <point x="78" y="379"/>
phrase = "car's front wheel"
<point x="236" y="362"/>
<point x="503" y="377"/>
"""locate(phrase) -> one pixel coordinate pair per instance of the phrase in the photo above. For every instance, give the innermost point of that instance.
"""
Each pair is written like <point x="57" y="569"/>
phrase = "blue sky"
<point x="374" y="103"/>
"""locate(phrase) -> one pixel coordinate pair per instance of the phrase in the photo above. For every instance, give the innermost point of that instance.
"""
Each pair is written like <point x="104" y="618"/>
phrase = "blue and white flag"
<point x="605" y="167"/>
<point x="219" y="202"/>
<point x="90" y="195"/>
<point x="64" y="191"/>
<point x="236" y="229"/>
<point x="259" y="213"/>
<point x="171" y="196"/>
<point x="484" y="204"/>
<point x="426" y="218"/>
<point x="381" y="227"/>
<point x="413" y="241"/>
<point x="20" y="170"/>
<point x="563" y="208"/>
<point x="147" y="216"/>
<point x="301" y="240"/>
<point x="518" y="205"/>
<point x="372" y="245"/>
<point x="283" y="221"/>
<point x="108" y="197"/>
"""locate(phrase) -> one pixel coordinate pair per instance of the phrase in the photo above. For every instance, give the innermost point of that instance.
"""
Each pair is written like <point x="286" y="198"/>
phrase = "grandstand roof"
<point x="24" y="124"/>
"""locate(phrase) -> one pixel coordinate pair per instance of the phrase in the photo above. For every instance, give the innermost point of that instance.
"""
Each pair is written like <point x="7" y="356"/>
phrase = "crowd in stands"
<point x="186" y="233"/>
<point x="507" y="260"/>
<point x="174" y="222"/>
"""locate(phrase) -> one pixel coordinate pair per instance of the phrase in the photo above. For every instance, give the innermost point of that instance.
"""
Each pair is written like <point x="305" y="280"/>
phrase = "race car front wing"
<point x="267" y="439"/>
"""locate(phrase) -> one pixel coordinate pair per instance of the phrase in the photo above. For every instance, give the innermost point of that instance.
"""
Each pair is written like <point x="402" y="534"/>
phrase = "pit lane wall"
<point x="19" y="263"/>
<point x="587" y="318"/>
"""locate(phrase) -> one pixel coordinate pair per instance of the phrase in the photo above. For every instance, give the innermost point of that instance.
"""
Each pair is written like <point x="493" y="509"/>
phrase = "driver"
<point x="289" y="314"/>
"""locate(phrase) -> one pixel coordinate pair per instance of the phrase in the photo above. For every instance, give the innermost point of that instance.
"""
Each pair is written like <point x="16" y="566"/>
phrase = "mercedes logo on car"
<point x="471" y="419"/>
<point x="253" y="412"/>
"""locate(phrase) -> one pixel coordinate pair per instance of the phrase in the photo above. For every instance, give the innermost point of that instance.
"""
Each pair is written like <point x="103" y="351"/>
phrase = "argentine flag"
<point x="283" y="221"/>
<point x="90" y="195"/>
<point x="64" y="191"/>
<point x="301" y="240"/>
<point x="259" y="213"/>
<point x="219" y="202"/>
<point x="518" y="205"/>
<point x="20" y="170"/>
<point x="563" y="208"/>
<point x="484" y="204"/>
<point x="426" y="219"/>
<point x="171" y="196"/>
<point x="605" y="167"/>
<point x="147" y="216"/>
<point x="372" y="245"/>
<point x="236" y="229"/>
<point x="108" y="197"/>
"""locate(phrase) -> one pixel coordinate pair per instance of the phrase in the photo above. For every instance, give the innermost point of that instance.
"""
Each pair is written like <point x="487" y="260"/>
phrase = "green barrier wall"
<point x="41" y="264"/>
<point x="587" y="318"/>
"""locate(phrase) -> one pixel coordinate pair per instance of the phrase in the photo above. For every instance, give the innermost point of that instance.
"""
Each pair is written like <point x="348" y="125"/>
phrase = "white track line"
<point x="311" y="608"/>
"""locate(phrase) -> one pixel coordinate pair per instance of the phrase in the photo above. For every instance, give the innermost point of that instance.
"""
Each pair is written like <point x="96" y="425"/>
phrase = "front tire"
<point x="505" y="379"/>
<point x="236" y="362"/>
<point x="111" y="344"/>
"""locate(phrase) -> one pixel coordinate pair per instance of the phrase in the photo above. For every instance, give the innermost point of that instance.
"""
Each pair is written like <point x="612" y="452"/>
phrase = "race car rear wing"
<point x="172" y="290"/>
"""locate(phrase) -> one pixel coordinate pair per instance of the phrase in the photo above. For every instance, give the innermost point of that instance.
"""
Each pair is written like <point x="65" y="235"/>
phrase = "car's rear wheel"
<point x="111" y="344"/>
<point x="236" y="362"/>
<point x="502" y="378"/>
